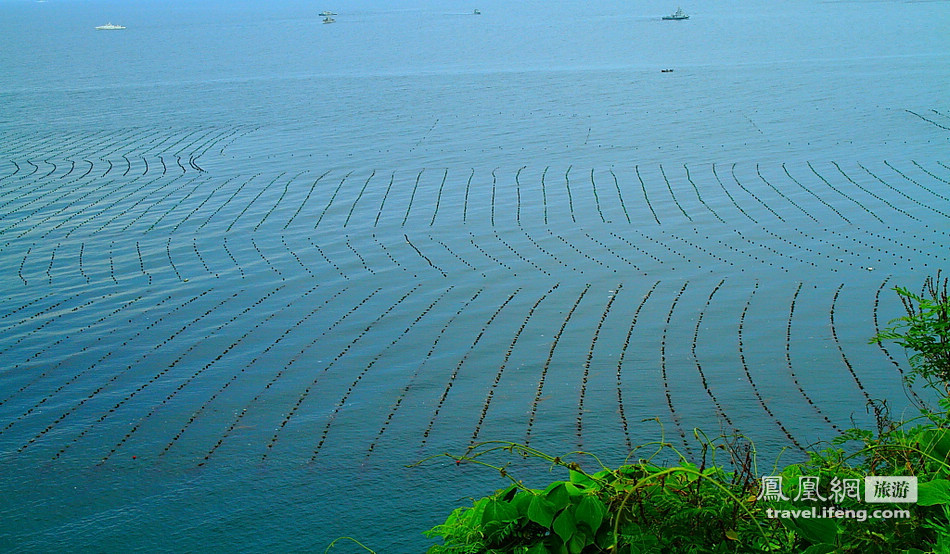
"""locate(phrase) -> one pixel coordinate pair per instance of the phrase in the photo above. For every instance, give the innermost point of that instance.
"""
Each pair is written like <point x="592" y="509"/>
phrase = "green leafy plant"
<point x="924" y="331"/>
<point x="718" y="506"/>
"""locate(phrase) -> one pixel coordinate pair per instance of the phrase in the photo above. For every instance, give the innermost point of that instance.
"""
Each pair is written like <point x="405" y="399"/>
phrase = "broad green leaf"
<point x="541" y="511"/>
<point x="590" y="511"/>
<point x="581" y="479"/>
<point x="498" y="510"/>
<point x="522" y="501"/>
<point x="934" y="492"/>
<point x="817" y="531"/>
<point x="559" y="494"/>
<point x="577" y="543"/>
<point x="564" y="525"/>
<point x="732" y="535"/>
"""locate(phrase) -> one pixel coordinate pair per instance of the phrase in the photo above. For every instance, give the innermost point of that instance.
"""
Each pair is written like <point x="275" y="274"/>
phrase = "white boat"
<point x="329" y="19"/>
<point x="677" y="15"/>
<point x="327" y="14"/>
<point x="109" y="27"/>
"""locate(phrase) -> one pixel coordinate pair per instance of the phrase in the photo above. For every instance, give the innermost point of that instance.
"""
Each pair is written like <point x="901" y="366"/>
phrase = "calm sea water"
<point x="254" y="265"/>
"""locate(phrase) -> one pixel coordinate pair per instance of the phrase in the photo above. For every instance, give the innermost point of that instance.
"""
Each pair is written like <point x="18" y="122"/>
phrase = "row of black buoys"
<point x="587" y="362"/>
<point x="453" y="253"/>
<point x="382" y="203"/>
<point x="360" y="257"/>
<point x="248" y="206"/>
<point x="424" y="257"/>
<point x="669" y="187"/>
<point x="202" y="181"/>
<point x="494" y="181"/>
<point x="646" y="197"/>
<point x="925" y="170"/>
<point x="105" y="356"/>
<point x="928" y="120"/>
<point x="227" y="250"/>
<point x="788" y="359"/>
<point x="204" y="264"/>
<point x="458" y="367"/>
<point x="164" y="371"/>
<point x="795" y="245"/>
<point x="782" y="194"/>
<point x="615" y="254"/>
<point x="620" y="363"/>
<point x="754" y="197"/>
<point x="313" y="187"/>
<point x="438" y="198"/>
<point x="279" y="199"/>
<point x="699" y="368"/>
<point x="942" y="247"/>
<point x="547" y="364"/>
<point x="663" y="373"/>
<point x="468" y="188"/>
<point x="578" y="250"/>
<point x="349" y="214"/>
<point x="635" y="247"/>
<point x="200" y="205"/>
<point x="731" y="198"/>
<point x="534" y="242"/>
<point x="487" y="254"/>
<point x="294" y="255"/>
<point x="136" y="426"/>
<point x="332" y="198"/>
<point x="748" y="373"/>
<point x="870" y="245"/>
<point x="141" y="199"/>
<point x="593" y="186"/>
<point x="888" y="204"/>
<point x="50" y="370"/>
<point x="767" y="247"/>
<point x="689" y="179"/>
<point x="519" y="255"/>
<point x="504" y="364"/>
<point x="306" y="393"/>
<point x="544" y="195"/>
<point x="267" y="260"/>
<point x="239" y="416"/>
<point x="419" y="368"/>
<point x="914" y="181"/>
<point x="359" y="377"/>
<point x="228" y="201"/>
<point x="834" y="335"/>
<point x="412" y="196"/>
<point x="816" y="196"/>
<point x="620" y="195"/>
<point x="887" y="353"/>
<point x="904" y="194"/>
<point x="390" y="256"/>
<point x="53" y="309"/>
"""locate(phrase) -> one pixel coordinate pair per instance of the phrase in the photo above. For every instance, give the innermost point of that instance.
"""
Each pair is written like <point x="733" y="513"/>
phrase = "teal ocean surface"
<point x="255" y="265"/>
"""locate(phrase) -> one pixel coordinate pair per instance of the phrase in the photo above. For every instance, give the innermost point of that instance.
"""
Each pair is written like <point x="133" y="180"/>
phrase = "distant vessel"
<point x="327" y="14"/>
<point x="329" y="19"/>
<point x="677" y="15"/>
<point x="477" y="12"/>
<point x="109" y="27"/>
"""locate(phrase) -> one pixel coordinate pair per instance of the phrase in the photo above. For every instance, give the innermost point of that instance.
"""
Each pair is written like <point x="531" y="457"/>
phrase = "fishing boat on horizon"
<point x="109" y="27"/>
<point x="679" y="14"/>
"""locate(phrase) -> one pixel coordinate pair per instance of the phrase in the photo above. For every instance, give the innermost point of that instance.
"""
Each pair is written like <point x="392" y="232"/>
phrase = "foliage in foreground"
<point x="717" y="508"/>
